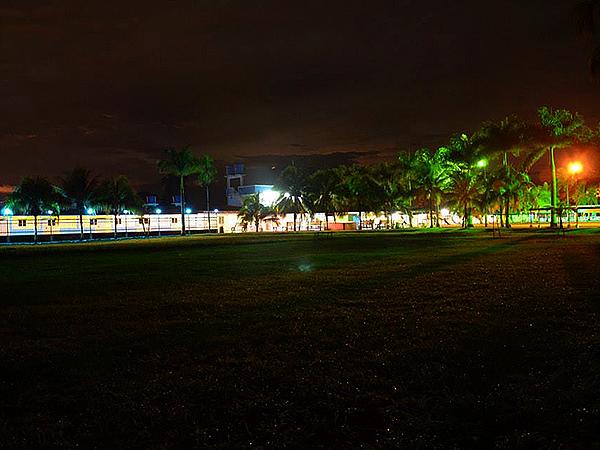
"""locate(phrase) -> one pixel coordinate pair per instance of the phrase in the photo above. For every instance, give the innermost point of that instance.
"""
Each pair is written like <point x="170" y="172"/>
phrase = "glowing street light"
<point x="158" y="211"/>
<point x="482" y="163"/>
<point x="188" y="210"/>
<point x="7" y="211"/>
<point x="89" y="211"/>
<point x="575" y="167"/>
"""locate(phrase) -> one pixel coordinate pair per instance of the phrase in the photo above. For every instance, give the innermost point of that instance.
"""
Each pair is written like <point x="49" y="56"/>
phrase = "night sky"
<point x="108" y="85"/>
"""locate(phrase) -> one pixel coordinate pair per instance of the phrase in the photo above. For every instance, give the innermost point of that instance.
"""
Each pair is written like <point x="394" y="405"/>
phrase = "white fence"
<point x="96" y="225"/>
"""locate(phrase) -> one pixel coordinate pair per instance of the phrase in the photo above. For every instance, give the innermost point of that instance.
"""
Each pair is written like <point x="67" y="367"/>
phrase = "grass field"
<point x="418" y="340"/>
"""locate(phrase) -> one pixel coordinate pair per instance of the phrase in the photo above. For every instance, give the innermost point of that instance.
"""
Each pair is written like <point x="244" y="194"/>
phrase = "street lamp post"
<point x="573" y="168"/>
<point x="158" y="212"/>
<point x="7" y="213"/>
<point x="482" y="164"/>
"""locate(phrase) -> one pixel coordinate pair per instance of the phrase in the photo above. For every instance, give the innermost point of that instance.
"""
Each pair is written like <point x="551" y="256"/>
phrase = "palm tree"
<point x="292" y="184"/>
<point x="253" y="211"/>
<point x="557" y="129"/>
<point x="488" y="195"/>
<point x="390" y="191"/>
<point x="357" y="190"/>
<point x="408" y="171"/>
<point x="180" y="163"/>
<point x="504" y="140"/>
<point x="512" y="186"/>
<point x="498" y="140"/>
<point x="465" y="193"/>
<point x="434" y="177"/>
<point x="117" y="195"/>
<point x="79" y="188"/>
<point x="320" y="188"/>
<point x="34" y="196"/>
<point x="206" y="175"/>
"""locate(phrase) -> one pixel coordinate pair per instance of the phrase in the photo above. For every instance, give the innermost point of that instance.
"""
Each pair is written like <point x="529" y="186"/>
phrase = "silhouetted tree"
<point x="181" y="164"/>
<point x="253" y="211"/>
<point x="117" y="195"/>
<point x="292" y="185"/>
<point x="321" y="188"/>
<point x="34" y="196"/>
<point x="79" y="188"/>
<point x="206" y="175"/>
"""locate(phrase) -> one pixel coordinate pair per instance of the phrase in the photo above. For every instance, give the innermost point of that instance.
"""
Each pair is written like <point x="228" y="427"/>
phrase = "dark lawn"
<point x="390" y="339"/>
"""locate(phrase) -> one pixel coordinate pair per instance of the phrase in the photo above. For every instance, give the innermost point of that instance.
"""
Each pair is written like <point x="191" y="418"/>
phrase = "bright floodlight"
<point x="89" y="211"/>
<point x="482" y="163"/>
<point x="7" y="211"/>
<point x="158" y="211"/>
<point x="575" y="167"/>
<point x="49" y="212"/>
<point x="188" y="210"/>
<point x="269" y="197"/>
<point x="216" y="210"/>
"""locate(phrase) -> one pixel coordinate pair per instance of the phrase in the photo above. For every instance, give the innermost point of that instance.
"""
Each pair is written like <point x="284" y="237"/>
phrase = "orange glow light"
<point x="575" y="167"/>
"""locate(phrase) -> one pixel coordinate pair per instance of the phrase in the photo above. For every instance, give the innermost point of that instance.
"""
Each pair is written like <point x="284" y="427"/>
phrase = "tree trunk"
<point x="326" y="221"/>
<point x="560" y="217"/>
<point x="115" y="227"/>
<point x="430" y="213"/>
<point x="295" y="219"/>
<point x="35" y="229"/>
<point x="507" y="213"/>
<point x="256" y="223"/>
<point x="554" y="195"/>
<point x="81" y="227"/>
<point x="208" y="207"/>
<point x="182" y="201"/>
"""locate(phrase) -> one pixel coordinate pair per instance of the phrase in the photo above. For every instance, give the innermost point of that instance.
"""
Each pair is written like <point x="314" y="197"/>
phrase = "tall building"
<point x="237" y="188"/>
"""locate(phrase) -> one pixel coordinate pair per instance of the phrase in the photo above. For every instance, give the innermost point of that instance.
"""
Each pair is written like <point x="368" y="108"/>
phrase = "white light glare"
<point x="269" y="197"/>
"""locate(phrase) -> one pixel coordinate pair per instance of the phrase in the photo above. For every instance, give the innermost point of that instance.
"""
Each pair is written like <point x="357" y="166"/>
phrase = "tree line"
<point x="81" y="192"/>
<point x="485" y="172"/>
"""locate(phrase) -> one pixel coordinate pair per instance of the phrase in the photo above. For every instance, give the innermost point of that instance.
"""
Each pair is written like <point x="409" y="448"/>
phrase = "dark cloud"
<point x="110" y="84"/>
